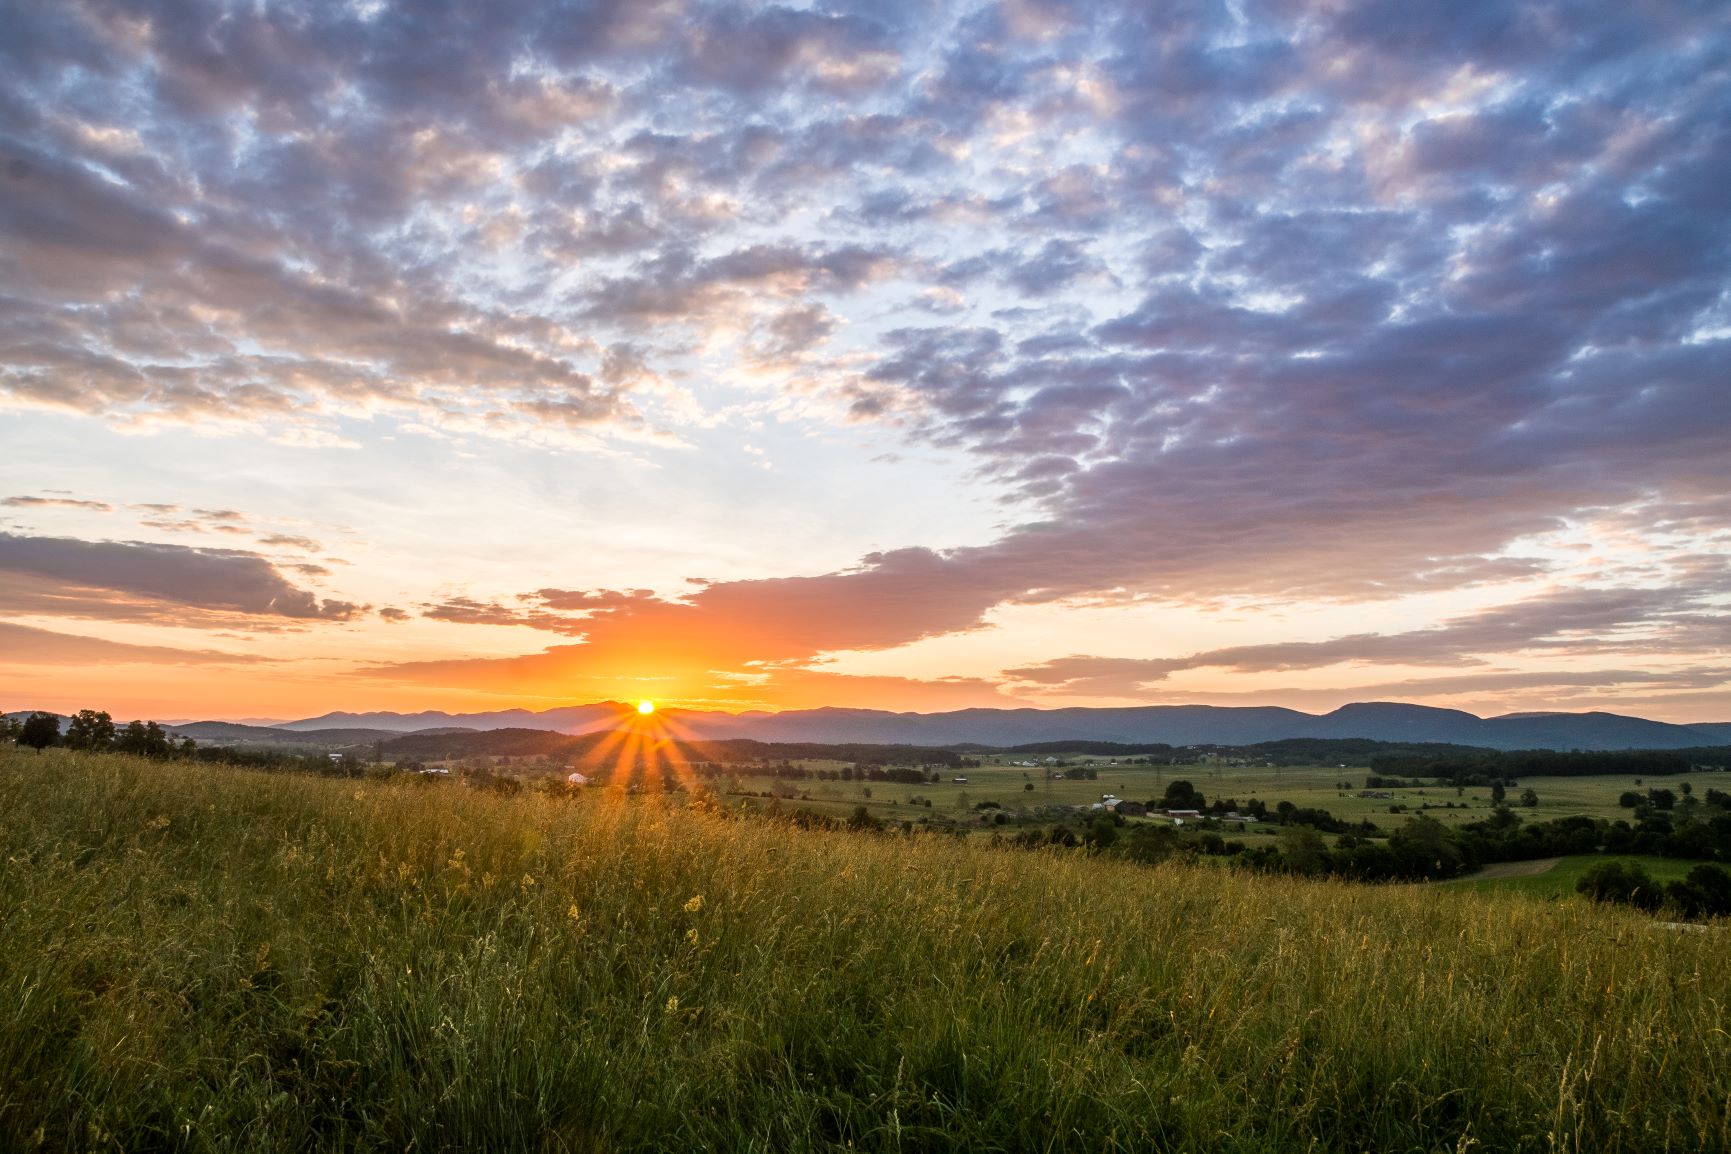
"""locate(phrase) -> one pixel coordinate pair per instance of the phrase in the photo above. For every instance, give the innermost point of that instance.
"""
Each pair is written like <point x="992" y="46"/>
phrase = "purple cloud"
<point x="220" y="580"/>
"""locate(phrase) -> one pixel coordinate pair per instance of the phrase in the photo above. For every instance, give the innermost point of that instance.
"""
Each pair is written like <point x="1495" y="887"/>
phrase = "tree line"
<point x="94" y="731"/>
<point x="1483" y="767"/>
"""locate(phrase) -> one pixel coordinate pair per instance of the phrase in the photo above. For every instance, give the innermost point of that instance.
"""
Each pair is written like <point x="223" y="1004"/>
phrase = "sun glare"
<point x="645" y="707"/>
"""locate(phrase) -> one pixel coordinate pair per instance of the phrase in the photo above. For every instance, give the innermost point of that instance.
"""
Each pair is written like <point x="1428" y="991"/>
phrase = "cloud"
<point x="285" y="541"/>
<point x="56" y="503"/>
<point x="768" y="629"/>
<point x="1570" y="622"/>
<point x="1280" y="300"/>
<point x="224" y="580"/>
<point x="750" y="52"/>
<point x="24" y="645"/>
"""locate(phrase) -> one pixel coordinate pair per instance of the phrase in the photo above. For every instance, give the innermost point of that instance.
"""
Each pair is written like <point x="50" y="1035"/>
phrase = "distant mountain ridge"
<point x="564" y="719"/>
<point x="1171" y="724"/>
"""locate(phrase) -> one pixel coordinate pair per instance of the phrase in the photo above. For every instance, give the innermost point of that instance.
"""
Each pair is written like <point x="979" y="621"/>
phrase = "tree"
<point x="91" y="730"/>
<point x="1529" y="797"/>
<point x="1498" y="793"/>
<point x="1615" y="881"/>
<point x="1706" y="892"/>
<point x="1426" y="848"/>
<point x="1101" y="832"/>
<point x="144" y="738"/>
<point x="1181" y="795"/>
<point x="40" y="731"/>
<point x="1304" y="850"/>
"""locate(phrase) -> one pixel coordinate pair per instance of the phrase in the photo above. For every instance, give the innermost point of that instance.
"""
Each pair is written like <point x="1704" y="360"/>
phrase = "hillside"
<point x="217" y="959"/>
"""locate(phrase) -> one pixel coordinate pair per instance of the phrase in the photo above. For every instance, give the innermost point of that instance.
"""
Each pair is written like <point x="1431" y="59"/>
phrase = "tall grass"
<point x="208" y="959"/>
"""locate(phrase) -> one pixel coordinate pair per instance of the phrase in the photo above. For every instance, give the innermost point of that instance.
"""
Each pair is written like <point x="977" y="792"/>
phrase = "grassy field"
<point x="209" y="959"/>
<point x="1559" y="880"/>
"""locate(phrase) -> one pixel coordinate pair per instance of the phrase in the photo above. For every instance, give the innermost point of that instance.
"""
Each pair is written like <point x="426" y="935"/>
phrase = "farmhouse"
<point x="1132" y="809"/>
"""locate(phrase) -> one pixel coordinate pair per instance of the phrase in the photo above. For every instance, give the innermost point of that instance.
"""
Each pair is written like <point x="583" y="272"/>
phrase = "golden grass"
<point x="196" y="958"/>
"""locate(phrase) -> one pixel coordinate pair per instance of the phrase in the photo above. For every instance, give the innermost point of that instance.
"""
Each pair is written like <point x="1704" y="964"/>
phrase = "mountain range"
<point x="1171" y="724"/>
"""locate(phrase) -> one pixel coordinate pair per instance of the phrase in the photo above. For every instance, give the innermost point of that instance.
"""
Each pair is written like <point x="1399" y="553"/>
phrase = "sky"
<point x="467" y="354"/>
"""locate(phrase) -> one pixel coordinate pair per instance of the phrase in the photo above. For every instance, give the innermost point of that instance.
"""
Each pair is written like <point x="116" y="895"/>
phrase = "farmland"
<point x="1001" y="781"/>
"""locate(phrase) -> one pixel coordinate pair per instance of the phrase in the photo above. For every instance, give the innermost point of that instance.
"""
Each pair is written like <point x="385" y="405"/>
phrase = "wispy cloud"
<point x="24" y="645"/>
<point x="56" y="503"/>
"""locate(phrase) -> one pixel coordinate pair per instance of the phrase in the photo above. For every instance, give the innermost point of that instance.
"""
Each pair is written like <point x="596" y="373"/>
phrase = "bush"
<point x="1705" y="893"/>
<point x="1624" y="882"/>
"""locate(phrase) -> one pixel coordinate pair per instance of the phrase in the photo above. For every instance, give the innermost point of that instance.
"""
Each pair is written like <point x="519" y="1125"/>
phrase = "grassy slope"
<point x="206" y="959"/>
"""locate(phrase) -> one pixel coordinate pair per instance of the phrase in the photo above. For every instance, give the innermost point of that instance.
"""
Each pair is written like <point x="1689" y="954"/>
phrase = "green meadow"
<point x="1557" y="877"/>
<point x="203" y="958"/>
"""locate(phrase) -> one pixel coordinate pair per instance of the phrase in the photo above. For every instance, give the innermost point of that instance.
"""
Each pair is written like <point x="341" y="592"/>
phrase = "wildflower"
<point x="691" y="937"/>
<point x="528" y="881"/>
<point x="673" y="1004"/>
<point x="695" y="904"/>
<point x="573" y="913"/>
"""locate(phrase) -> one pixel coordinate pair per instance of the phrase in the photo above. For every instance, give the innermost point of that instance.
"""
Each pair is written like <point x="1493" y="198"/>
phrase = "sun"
<point x="646" y="706"/>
